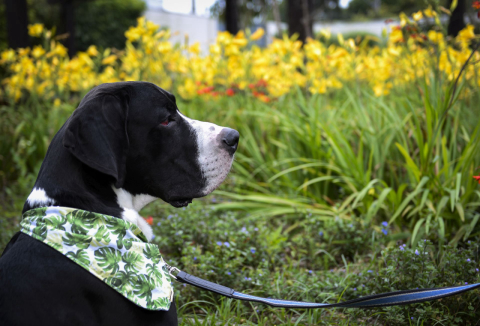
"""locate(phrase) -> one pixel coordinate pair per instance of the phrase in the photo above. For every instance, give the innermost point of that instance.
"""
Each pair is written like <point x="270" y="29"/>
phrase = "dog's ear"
<point x="96" y="134"/>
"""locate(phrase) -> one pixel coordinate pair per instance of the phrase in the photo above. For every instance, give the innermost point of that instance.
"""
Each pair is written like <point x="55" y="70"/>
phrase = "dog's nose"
<point x="230" y="138"/>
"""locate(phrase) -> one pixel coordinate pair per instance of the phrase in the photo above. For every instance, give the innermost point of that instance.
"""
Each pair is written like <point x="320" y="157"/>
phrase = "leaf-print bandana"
<point x="114" y="250"/>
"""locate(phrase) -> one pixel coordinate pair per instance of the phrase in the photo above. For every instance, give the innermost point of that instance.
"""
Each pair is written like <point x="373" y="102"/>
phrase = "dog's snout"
<point x="230" y="138"/>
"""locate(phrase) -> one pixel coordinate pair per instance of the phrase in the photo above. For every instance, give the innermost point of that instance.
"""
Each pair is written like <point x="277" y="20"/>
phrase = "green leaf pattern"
<point x="114" y="250"/>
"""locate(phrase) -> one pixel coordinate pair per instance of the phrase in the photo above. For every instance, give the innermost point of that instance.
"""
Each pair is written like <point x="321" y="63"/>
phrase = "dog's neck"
<point x="65" y="181"/>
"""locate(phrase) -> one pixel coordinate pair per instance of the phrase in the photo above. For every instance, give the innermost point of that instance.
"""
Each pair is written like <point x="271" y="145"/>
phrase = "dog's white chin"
<point x="216" y="177"/>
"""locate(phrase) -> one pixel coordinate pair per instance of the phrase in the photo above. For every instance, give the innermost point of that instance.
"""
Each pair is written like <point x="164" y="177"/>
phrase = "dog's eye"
<point x="165" y="123"/>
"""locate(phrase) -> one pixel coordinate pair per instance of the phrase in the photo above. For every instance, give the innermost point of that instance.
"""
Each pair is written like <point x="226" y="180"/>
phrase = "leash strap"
<point x="378" y="300"/>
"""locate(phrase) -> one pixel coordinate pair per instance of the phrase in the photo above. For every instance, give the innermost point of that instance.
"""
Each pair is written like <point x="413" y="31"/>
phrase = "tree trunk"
<point x="299" y="21"/>
<point x="68" y="19"/>
<point x="456" y="23"/>
<point x="231" y="16"/>
<point x="17" y="23"/>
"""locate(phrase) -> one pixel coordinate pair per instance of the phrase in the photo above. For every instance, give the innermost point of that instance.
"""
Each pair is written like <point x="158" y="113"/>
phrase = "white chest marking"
<point x="131" y="205"/>
<point x="38" y="196"/>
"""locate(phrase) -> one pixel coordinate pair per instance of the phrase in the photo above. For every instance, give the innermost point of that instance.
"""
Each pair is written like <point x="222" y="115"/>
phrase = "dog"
<point x="126" y="145"/>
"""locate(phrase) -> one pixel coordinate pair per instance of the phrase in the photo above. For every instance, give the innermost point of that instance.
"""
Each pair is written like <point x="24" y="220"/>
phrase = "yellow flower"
<point x="35" y="30"/>
<point x="435" y="37"/>
<point x="417" y="16"/>
<point x="429" y="12"/>
<point x="403" y="19"/>
<point x="38" y="51"/>
<point x="8" y="55"/>
<point x="109" y="60"/>
<point x="258" y="34"/>
<point x="195" y="48"/>
<point x="396" y="36"/>
<point x="466" y="34"/>
<point x="240" y="39"/>
<point x="92" y="51"/>
<point x="326" y="33"/>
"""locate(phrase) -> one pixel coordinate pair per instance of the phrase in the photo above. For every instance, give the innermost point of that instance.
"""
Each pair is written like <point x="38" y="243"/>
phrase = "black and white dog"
<point x="126" y="145"/>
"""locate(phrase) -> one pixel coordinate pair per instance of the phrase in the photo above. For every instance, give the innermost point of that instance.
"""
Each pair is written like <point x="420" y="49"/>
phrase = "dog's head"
<point x="134" y="133"/>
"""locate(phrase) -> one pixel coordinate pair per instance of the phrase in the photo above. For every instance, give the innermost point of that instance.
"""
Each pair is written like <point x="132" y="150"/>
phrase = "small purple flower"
<point x="219" y="243"/>
<point x="184" y="285"/>
<point x="310" y="271"/>
<point x="468" y="259"/>
<point x="354" y="289"/>
<point x="476" y="269"/>
<point x="320" y="233"/>
<point x="252" y="251"/>
<point x="229" y="273"/>
<point x="260" y="274"/>
<point x="350" y="225"/>
<point x="411" y="318"/>
<point x="369" y="271"/>
<point x="466" y="282"/>
<point x="214" y="200"/>
<point x="416" y="252"/>
<point x="401" y="248"/>
<point x="153" y="236"/>
<point x="385" y="231"/>
<point x="363" y="285"/>
<point x="159" y="223"/>
<point x="256" y="229"/>
<point x="385" y="224"/>
<point x="226" y="244"/>
<point x="169" y="216"/>
<point x="194" y="258"/>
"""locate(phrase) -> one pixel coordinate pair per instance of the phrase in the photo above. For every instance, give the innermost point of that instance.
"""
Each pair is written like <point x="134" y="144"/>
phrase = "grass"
<point x="324" y="261"/>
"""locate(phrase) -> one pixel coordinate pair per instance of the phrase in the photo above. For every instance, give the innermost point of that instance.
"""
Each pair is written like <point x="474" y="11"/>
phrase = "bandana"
<point x="112" y="249"/>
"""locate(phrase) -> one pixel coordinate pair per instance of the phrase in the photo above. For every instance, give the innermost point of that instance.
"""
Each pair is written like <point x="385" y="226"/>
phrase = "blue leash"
<point x="378" y="300"/>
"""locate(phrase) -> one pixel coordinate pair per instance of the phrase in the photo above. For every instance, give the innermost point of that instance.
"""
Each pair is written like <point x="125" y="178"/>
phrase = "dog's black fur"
<point x="115" y="137"/>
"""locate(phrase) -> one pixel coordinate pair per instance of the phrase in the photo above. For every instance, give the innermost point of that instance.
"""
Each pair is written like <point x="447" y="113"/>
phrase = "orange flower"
<point x="476" y="5"/>
<point x="477" y="177"/>
<point x="205" y="90"/>
<point x="261" y="83"/>
<point x="149" y="220"/>
<point x="230" y="92"/>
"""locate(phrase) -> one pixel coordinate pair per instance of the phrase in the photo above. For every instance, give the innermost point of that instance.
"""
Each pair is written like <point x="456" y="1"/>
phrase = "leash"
<point x="378" y="300"/>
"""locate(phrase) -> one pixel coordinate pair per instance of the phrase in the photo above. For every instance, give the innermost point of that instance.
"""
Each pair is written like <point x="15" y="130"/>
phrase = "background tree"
<point x="299" y="18"/>
<point x="99" y="22"/>
<point x="456" y="22"/>
<point x="16" y="23"/>
<point x="231" y="16"/>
